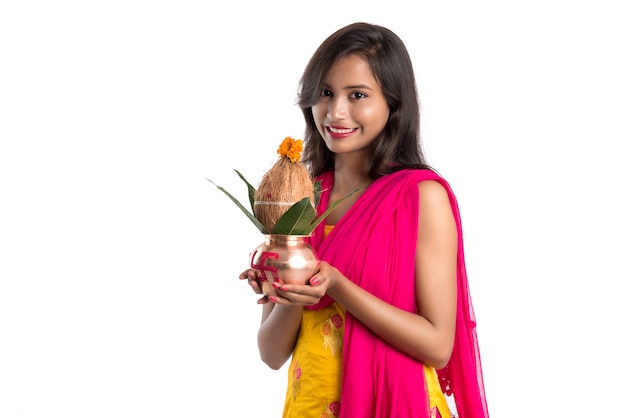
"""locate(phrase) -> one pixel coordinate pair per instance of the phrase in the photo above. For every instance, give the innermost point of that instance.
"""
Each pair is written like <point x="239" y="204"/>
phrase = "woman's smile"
<point x="337" y="132"/>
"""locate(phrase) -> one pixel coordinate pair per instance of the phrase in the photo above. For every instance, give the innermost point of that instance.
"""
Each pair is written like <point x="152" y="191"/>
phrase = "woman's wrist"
<point x="334" y="279"/>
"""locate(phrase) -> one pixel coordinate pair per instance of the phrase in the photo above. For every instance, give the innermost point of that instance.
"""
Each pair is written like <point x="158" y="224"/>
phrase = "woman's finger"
<point x="265" y="299"/>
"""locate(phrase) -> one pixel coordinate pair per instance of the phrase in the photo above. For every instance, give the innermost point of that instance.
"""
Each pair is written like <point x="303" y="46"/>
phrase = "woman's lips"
<point x="338" y="132"/>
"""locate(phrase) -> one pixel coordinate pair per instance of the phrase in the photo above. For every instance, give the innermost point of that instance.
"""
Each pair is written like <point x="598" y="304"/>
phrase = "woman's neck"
<point x="348" y="186"/>
<point x="350" y="174"/>
<point x="346" y="182"/>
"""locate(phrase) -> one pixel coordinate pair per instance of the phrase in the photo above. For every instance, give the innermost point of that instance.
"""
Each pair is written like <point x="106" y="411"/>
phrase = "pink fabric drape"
<point x="374" y="245"/>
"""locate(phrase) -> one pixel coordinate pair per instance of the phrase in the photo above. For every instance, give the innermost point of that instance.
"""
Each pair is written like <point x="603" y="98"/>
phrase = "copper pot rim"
<point x="287" y="237"/>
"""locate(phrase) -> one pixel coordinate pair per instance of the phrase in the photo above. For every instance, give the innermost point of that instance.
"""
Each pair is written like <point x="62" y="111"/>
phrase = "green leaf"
<point x="317" y="192"/>
<point x="329" y="210"/>
<point x="249" y="214"/>
<point x="297" y="220"/>
<point x="251" y="189"/>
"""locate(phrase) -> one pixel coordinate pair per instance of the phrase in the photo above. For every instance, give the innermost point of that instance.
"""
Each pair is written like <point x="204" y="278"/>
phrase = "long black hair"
<point x="399" y="144"/>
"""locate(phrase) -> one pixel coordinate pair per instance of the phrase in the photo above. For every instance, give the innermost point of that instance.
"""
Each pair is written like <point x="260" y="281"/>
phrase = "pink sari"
<point x="374" y="245"/>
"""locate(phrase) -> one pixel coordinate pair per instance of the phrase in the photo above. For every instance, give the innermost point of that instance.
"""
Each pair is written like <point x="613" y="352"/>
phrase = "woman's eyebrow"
<point x="351" y="87"/>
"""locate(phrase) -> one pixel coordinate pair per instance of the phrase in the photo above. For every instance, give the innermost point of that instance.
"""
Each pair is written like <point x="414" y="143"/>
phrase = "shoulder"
<point x="432" y="190"/>
<point x="428" y="182"/>
<point x="433" y="197"/>
<point x="412" y="175"/>
<point x="435" y="206"/>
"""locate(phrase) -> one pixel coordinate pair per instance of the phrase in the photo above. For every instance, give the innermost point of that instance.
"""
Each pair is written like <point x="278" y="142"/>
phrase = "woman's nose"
<point x="336" y="109"/>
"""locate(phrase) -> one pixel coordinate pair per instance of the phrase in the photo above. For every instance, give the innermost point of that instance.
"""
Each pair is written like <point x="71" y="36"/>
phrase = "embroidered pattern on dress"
<point x="333" y="334"/>
<point x="296" y="385"/>
<point x="332" y="410"/>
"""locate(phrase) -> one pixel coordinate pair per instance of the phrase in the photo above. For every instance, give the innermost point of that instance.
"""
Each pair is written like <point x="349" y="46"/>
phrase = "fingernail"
<point x="273" y="299"/>
<point x="314" y="281"/>
<point x="276" y="285"/>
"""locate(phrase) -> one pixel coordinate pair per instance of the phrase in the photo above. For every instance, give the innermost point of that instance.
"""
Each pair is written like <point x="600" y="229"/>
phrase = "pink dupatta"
<point x="374" y="245"/>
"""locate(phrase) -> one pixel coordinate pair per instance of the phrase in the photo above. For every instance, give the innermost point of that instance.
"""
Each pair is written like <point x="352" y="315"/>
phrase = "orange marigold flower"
<point x="290" y="148"/>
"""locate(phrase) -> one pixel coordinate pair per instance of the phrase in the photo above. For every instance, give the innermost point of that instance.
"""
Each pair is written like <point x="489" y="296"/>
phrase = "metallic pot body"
<point x="285" y="258"/>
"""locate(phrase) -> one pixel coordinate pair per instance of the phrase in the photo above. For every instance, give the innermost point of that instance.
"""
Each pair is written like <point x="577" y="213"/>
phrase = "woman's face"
<point x="352" y="110"/>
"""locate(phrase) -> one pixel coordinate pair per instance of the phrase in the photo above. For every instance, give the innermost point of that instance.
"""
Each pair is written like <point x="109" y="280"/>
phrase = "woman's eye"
<point x="326" y="93"/>
<point x="358" y="95"/>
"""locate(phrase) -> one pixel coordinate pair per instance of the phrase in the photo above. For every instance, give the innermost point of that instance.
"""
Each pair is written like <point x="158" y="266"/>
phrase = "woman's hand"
<point x="307" y="294"/>
<point x="259" y="286"/>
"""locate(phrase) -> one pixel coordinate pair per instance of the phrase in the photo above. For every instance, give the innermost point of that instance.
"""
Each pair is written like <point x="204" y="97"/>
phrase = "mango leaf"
<point x="249" y="214"/>
<point x="329" y="210"/>
<point x="297" y="220"/>
<point x="251" y="189"/>
<point x="317" y="192"/>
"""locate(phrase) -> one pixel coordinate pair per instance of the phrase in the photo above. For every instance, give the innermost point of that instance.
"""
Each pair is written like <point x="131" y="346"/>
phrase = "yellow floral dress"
<point x="314" y="376"/>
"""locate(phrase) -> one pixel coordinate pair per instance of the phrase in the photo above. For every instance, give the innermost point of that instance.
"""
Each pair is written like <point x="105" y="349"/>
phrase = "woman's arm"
<point x="428" y="334"/>
<point x="279" y="324"/>
<point x="278" y="333"/>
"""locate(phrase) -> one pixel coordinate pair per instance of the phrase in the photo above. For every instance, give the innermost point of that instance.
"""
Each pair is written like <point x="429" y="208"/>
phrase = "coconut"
<point x="283" y="185"/>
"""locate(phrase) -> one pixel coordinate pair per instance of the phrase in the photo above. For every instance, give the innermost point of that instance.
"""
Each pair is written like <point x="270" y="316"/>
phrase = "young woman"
<point x="385" y="328"/>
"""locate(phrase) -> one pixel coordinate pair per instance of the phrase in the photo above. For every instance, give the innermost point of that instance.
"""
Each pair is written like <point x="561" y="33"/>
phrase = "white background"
<point x="119" y="294"/>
